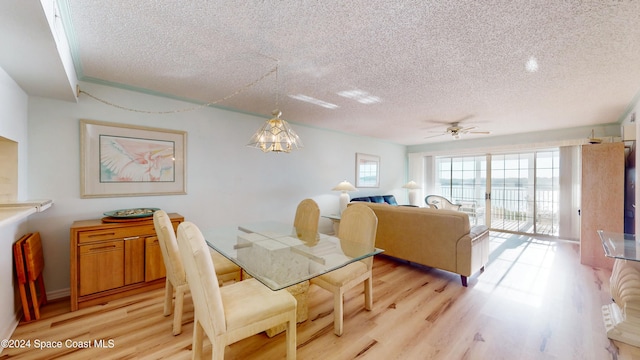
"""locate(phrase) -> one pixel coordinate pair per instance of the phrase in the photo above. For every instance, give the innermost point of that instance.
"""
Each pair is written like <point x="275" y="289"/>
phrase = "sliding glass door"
<point x="525" y="192"/>
<point x="547" y="206"/>
<point x="516" y="192"/>
<point x="463" y="180"/>
<point x="512" y="189"/>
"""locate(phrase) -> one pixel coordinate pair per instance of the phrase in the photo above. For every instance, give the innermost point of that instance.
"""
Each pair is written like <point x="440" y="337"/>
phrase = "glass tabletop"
<point x="278" y="255"/>
<point x="620" y="246"/>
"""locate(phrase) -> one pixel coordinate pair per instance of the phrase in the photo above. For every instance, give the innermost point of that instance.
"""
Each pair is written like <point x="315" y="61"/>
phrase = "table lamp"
<point x="344" y="196"/>
<point x="413" y="194"/>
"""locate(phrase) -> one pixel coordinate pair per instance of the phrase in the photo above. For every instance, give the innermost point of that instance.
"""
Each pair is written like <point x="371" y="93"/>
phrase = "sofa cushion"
<point x="390" y="199"/>
<point x="377" y="199"/>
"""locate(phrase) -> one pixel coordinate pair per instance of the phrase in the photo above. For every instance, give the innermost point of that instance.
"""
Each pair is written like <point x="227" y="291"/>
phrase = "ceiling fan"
<point x="456" y="130"/>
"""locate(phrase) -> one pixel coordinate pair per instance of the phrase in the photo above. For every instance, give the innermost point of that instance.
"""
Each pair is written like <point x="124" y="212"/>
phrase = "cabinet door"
<point x="154" y="263"/>
<point x="602" y="203"/>
<point x="133" y="260"/>
<point x="101" y="267"/>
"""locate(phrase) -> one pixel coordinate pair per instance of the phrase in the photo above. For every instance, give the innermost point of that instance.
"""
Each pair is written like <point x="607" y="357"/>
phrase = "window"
<point x="522" y="189"/>
<point x="463" y="180"/>
<point x="367" y="170"/>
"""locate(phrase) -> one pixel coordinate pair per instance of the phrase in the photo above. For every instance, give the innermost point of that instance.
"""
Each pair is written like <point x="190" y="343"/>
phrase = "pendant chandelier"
<point x="275" y="135"/>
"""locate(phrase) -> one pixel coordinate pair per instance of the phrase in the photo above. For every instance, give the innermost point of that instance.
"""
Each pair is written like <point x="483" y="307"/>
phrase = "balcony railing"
<point x="512" y="208"/>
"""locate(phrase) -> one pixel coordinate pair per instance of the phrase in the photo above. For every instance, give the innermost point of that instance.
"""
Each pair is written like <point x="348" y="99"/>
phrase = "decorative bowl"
<point x="131" y="213"/>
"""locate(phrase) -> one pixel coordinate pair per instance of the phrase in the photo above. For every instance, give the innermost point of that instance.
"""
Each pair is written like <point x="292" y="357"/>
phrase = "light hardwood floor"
<point x="534" y="301"/>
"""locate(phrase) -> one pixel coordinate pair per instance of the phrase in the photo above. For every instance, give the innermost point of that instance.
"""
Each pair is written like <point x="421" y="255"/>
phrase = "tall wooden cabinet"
<point x="113" y="260"/>
<point x="602" y="201"/>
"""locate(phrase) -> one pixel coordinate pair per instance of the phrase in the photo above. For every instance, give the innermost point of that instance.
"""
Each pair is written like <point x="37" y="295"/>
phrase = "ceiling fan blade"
<point x="432" y="136"/>
<point x="432" y="121"/>
<point x="480" y="132"/>
<point x="454" y="123"/>
<point x="436" y="128"/>
<point x="464" y="118"/>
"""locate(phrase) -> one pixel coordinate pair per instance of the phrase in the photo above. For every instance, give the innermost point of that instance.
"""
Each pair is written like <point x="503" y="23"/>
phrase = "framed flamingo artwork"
<point x="126" y="160"/>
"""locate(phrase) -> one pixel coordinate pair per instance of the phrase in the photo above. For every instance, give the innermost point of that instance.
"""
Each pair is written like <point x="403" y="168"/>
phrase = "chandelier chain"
<point x="213" y="102"/>
<point x="277" y="86"/>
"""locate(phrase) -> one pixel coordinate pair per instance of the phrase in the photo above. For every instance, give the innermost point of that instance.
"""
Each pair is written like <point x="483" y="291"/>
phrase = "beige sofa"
<point x="435" y="238"/>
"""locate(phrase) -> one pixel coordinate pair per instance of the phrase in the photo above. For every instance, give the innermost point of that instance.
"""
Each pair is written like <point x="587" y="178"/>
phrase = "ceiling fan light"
<point x="455" y="130"/>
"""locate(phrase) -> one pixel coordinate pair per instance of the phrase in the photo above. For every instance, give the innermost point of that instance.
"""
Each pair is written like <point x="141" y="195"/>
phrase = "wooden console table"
<point x="110" y="260"/>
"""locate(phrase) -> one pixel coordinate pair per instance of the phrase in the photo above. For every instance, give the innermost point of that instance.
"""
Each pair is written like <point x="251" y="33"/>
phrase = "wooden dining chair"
<point x="358" y="227"/>
<point x="230" y="313"/>
<point x="176" y="278"/>
<point x="306" y="220"/>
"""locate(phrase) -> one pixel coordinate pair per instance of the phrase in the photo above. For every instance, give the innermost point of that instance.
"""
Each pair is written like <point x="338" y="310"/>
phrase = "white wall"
<point x="13" y="126"/>
<point x="13" y="122"/>
<point x="227" y="182"/>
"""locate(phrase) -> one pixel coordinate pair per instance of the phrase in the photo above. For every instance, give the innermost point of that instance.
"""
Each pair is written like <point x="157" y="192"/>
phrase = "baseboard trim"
<point x="57" y="294"/>
<point x="11" y="327"/>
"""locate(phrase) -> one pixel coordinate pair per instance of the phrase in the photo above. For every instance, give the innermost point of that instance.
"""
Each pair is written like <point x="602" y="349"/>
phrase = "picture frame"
<point x="367" y="171"/>
<point x="125" y="160"/>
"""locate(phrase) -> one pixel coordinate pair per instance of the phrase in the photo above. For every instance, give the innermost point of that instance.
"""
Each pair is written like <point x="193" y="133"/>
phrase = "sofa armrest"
<point x="473" y="251"/>
<point x="477" y="231"/>
<point x="480" y="246"/>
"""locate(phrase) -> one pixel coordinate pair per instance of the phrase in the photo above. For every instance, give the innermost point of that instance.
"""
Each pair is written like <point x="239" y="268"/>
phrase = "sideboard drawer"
<point x="93" y="236"/>
<point x="115" y="233"/>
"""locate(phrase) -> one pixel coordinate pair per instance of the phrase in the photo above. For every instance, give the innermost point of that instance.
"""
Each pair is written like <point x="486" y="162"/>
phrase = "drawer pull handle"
<point x="102" y="234"/>
<point x="102" y="247"/>
<point x="132" y="238"/>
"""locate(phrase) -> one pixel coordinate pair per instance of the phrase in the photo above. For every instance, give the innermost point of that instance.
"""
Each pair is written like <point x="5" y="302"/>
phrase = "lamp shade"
<point x="411" y="185"/>
<point x="275" y="136"/>
<point x="344" y="186"/>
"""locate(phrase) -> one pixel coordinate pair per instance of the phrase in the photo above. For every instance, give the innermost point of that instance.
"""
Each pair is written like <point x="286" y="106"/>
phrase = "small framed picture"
<point x="367" y="170"/>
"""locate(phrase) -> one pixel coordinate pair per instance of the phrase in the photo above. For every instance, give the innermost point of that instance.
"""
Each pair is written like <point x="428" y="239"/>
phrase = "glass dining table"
<point x="279" y="255"/>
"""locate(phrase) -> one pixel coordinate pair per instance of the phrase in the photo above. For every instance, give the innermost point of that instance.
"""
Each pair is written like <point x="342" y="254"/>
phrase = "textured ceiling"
<point x="395" y="70"/>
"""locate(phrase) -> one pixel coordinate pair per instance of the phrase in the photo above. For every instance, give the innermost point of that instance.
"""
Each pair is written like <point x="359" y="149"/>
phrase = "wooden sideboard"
<point x="110" y="260"/>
